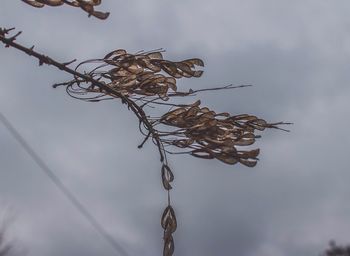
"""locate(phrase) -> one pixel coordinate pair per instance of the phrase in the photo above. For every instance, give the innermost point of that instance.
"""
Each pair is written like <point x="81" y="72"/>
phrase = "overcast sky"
<point x="295" y="53"/>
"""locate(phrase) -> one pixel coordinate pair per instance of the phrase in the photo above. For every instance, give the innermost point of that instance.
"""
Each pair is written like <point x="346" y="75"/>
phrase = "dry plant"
<point x="86" y="5"/>
<point x="146" y="80"/>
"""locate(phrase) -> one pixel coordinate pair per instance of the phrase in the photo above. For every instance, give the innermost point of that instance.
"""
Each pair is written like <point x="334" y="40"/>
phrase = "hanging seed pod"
<point x="167" y="177"/>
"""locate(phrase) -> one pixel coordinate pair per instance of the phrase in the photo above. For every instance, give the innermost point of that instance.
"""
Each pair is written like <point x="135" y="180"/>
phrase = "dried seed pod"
<point x="192" y="127"/>
<point x="86" y="5"/>
<point x="167" y="177"/>
<point x="168" y="220"/>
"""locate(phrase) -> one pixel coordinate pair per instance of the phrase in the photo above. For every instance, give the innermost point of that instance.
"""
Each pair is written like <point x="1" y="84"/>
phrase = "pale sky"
<point x="296" y="54"/>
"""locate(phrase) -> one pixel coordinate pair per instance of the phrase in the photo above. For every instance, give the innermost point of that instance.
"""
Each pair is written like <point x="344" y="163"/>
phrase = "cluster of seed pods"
<point x="86" y="5"/>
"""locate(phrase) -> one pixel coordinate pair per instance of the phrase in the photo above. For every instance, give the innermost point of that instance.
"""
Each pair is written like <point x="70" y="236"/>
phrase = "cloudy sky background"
<point x="295" y="53"/>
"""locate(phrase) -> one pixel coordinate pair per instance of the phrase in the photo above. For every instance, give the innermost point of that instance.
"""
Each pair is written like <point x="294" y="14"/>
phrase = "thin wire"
<point x="54" y="178"/>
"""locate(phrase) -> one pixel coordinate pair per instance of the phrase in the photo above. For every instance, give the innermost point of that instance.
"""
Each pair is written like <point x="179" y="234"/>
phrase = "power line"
<point x="70" y="196"/>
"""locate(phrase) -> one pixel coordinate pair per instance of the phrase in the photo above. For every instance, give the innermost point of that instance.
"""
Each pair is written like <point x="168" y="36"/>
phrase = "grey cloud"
<point x="296" y="56"/>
